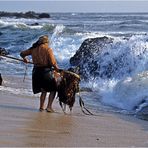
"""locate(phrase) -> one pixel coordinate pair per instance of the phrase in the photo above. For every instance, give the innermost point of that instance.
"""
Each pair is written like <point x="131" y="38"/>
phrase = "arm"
<point x="25" y="53"/>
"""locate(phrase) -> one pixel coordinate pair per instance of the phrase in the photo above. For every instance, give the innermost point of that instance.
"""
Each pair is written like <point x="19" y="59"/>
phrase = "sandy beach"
<point x="109" y="49"/>
<point x="21" y="124"/>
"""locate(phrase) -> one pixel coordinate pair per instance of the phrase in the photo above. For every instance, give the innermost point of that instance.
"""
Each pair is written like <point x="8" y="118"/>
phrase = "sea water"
<point x="126" y="92"/>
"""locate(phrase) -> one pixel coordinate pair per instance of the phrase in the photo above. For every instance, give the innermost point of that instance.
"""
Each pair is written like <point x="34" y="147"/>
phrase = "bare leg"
<point x="50" y="101"/>
<point x="42" y="100"/>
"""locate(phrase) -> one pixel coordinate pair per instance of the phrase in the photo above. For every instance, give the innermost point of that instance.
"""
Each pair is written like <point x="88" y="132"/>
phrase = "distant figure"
<point x="1" y="80"/>
<point x="45" y="66"/>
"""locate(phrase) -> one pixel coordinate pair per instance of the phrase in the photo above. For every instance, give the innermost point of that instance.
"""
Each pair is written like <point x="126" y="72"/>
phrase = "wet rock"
<point x="34" y="24"/>
<point x="29" y="14"/>
<point x="1" y="33"/>
<point x="97" y="58"/>
<point x="44" y="15"/>
<point x="86" y="58"/>
<point x="88" y="48"/>
<point x="3" y="51"/>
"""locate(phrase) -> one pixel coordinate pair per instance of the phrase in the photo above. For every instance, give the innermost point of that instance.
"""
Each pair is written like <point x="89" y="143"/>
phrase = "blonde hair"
<point x="43" y="39"/>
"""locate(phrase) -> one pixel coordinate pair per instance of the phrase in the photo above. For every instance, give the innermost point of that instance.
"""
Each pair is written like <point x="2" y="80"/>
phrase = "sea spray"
<point x="67" y="32"/>
<point x="56" y="32"/>
<point x="131" y="92"/>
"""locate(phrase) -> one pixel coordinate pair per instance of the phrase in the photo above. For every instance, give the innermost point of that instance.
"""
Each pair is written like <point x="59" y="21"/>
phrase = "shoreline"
<point x="24" y="126"/>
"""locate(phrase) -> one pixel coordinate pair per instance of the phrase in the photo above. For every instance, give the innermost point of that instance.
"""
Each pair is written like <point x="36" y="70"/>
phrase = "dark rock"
<point x="1" y="33"/>
<point x="34" y="24"/>
<point x="85" y="57"/>
<point x="3" y="51"/>
<point x="44" y="15"/>
<point x="88" y="48"/>
<point x="1" y="80"/>
<point x="29" y="14"/>
<point x="96" y="58"/>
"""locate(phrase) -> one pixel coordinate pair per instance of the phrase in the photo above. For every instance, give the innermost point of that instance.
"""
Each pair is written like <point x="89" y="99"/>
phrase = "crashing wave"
<point x="132" y="92"/>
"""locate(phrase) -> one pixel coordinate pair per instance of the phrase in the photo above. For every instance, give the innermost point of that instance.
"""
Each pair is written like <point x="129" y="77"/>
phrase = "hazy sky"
<point x="75" y="6"/>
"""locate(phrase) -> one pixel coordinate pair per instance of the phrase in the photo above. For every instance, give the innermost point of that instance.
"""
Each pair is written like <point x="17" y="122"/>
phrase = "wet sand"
<point x="21" y="124"/>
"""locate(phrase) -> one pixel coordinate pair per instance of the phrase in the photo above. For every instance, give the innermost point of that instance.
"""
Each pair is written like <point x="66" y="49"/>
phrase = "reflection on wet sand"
<point x="47" y="127"/>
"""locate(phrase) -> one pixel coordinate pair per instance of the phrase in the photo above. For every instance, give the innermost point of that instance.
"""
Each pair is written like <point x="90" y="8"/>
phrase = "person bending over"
<point x="42" y="74"/>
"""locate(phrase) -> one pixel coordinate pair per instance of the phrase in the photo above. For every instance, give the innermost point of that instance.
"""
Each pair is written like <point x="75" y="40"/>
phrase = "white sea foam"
<point x="130" y="93"/>
<point x="22" y="23"/>
<point x="16" y="91"/>
<point x="125" y="90"/>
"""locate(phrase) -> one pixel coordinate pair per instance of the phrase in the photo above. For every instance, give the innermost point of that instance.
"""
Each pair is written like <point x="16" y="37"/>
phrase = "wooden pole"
<point x="14" y="58"/>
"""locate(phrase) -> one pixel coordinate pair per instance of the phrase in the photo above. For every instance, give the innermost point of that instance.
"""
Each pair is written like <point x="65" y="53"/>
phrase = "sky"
<point x="74" y="6"/>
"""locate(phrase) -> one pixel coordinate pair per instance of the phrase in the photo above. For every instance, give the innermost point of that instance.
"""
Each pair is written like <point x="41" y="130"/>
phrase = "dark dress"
<point x="43" y="79"/>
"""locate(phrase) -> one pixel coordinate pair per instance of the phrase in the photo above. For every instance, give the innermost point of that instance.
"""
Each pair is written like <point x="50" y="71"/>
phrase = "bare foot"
<point x="50" y="110"/>
<point x="41" y="109"/>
